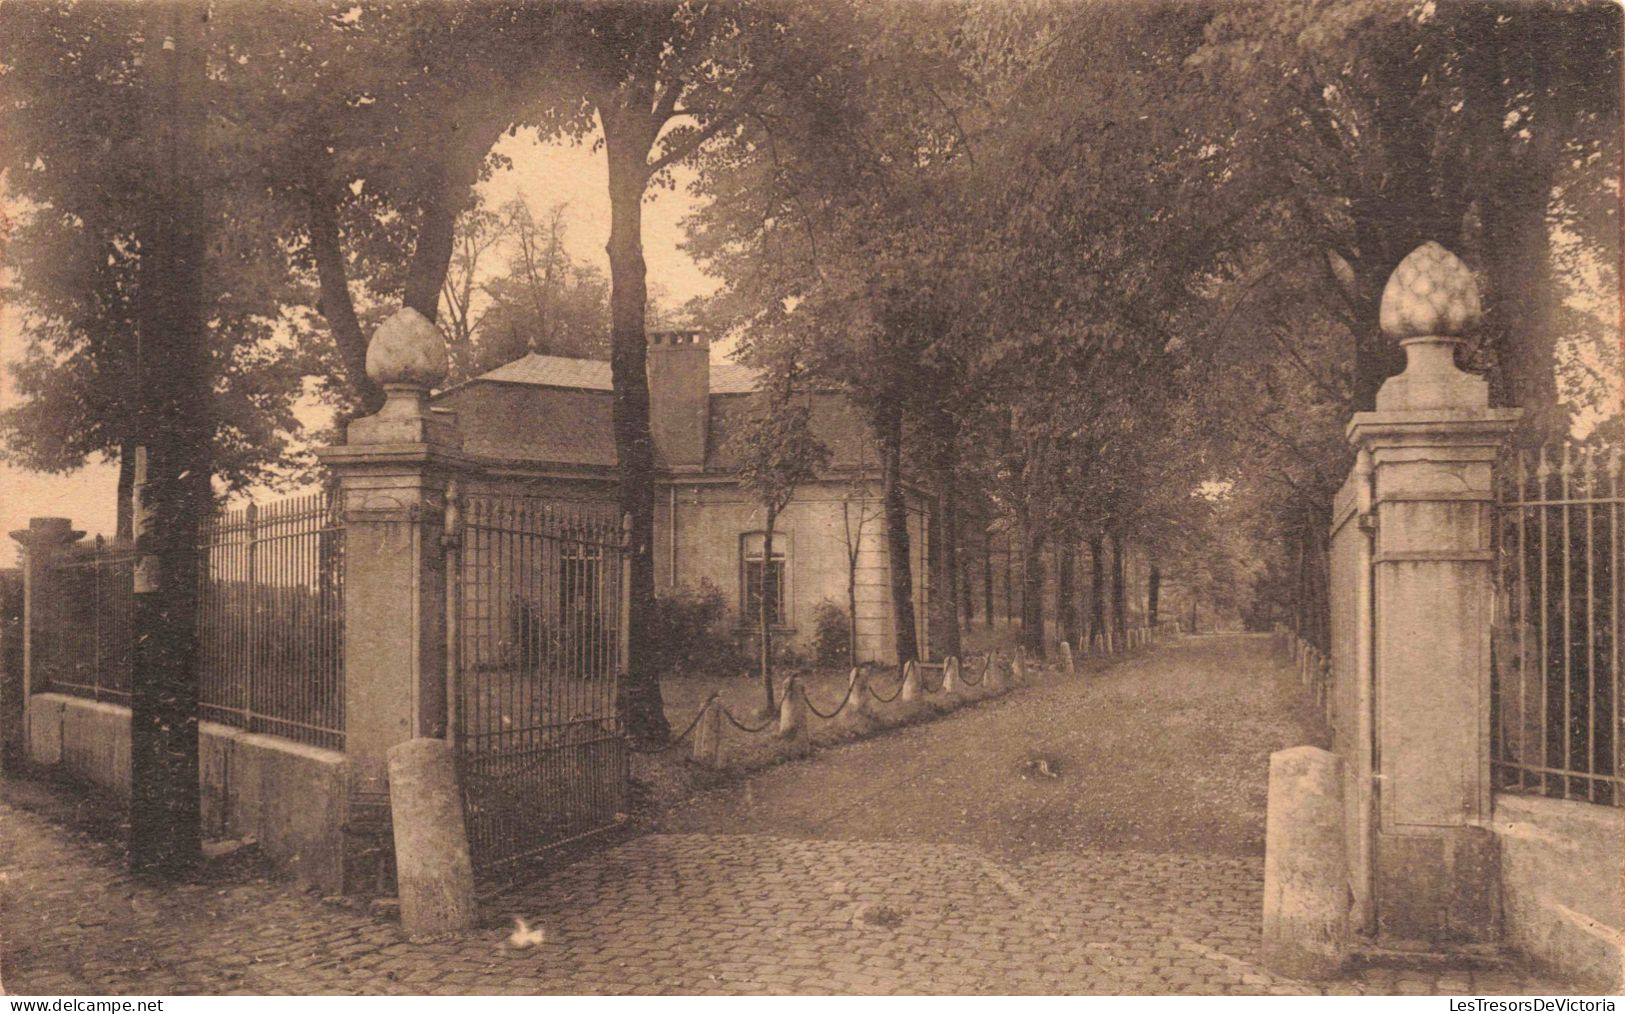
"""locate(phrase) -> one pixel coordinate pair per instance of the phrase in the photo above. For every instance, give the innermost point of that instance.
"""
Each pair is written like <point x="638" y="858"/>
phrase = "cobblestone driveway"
<point x="839" y="892"/>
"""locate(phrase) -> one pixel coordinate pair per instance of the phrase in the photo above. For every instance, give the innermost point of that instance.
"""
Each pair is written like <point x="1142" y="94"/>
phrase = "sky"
<point x="543" y="174"/>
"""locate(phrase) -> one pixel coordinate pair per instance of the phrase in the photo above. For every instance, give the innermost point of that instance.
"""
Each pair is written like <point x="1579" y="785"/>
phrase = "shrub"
<point x="830" y="643"/>
<point x="692" y="633"/>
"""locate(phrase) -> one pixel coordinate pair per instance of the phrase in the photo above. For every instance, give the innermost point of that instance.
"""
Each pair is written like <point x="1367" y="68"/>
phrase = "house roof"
<point x="515" y="412"/>
<point x="593" y="374"/>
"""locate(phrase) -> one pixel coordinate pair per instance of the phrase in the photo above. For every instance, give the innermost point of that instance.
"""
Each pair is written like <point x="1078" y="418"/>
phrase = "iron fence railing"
<point x="1556" y="632"/>
<point x="537" y="599"/>
<point x="271" y="620"/>
<point x="84" y="647"/>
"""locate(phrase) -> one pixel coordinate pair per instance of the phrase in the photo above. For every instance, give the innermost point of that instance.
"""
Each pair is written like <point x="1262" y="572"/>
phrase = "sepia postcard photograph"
<point x="919" y="498"/>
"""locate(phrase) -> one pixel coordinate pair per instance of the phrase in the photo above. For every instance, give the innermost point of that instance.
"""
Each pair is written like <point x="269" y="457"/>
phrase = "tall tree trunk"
<point x="1009" y="572"/>
<point x="627" y="149"/>
<point x="852" y="603"/>
<point x="1153" y="591"/>
<point x="431" y="256"/>
<point x="987" y="577"/>
<point x="336" y="304"/>
<point x="764" y="628"/>
<point x="1097" y="590"/>
<point x="1032" y="587"/>
<point x="1119" y="619"/>
<point x="124" y="498"/>
<point x="967" y="593"/>
<point x="1066" y="609"/>
<point x="945" y="547"/>
<point x="889" y="433"/>
<point x="174" y="387"/>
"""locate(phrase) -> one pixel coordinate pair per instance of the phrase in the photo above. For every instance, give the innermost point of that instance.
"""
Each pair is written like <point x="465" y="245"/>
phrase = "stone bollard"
<point x="857" y="698"/>
<point x="950" y="675"/>
<point x="708" y="736"/>
<point x="1306" y="878"/>
<point x="1018" y="669"/>
<point x="911" y="681"/>
<point x="993" y="675"/>
<point x="792" y="710"/>
<point x="435" y="880"/>
<point x="1068" y="664"/>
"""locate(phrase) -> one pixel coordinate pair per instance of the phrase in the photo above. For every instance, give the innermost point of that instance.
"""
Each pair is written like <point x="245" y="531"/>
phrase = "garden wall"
<point x="1562" y="870"/>
<point x="286" y="795"/>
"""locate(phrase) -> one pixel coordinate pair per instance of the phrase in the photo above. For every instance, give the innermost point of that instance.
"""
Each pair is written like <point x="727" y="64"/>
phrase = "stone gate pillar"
<point x="44" y="541"/>
<point x="1433" y="442"/>
<point x="393" y="471"/>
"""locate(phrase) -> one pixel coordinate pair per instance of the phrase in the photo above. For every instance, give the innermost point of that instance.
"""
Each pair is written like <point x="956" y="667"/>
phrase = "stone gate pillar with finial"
<point x="1431" y="443"/>
<point x="393" y="472"/>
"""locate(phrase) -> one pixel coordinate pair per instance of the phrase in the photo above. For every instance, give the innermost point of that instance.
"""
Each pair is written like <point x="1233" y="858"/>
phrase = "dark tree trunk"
<point x="1066" y="610"/>
<point x="946" y="548"/>
<point x="967" y="593"/>
<point x="1032" y="588"/>
<point x="889" y="433"/>
<point x="987" y="577"/>
<point x="1119" y="617"/>
<point x="852" y="602"/>
<point x="126" y="489"/>
<point x="337" y="306"/>
<point x="1009" y="571"/>
<point x="1097" y="590"/>
<point x="174" y="387"/>
<point x="431" y="256"/>
<point x="1153" y="591"/>
<point x="764" y="628"/>
<point x="627" y="148"/>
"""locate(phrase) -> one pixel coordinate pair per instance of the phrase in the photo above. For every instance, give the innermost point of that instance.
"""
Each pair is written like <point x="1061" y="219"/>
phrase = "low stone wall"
<point x="286" y="795"/>
<point x="1563" y="902"/>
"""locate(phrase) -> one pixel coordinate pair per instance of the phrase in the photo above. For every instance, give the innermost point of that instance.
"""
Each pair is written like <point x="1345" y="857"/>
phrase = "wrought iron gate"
<point x="537" y="605"/>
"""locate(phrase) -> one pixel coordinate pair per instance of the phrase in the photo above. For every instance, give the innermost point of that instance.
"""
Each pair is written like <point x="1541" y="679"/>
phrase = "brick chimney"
<point x="679" y="398"/>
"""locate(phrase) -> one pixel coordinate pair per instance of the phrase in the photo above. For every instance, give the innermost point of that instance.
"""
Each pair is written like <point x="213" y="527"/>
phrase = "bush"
<point x="692" y="634"/>
<point x="830" y="635"/>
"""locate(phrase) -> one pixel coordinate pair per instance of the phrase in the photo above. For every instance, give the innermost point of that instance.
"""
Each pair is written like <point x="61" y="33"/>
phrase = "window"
<point x="754" y="576"/>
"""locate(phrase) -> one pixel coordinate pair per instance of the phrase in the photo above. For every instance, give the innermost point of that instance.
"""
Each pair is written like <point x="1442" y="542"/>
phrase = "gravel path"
<point x="1167" y="751"/>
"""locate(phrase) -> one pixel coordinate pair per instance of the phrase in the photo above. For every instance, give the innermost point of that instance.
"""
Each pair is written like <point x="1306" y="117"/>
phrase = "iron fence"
<point x="536" y="599"/>
<point x="271" y="620"/>
<point x="1556" y="629"/>
<point x="84" y="648"/>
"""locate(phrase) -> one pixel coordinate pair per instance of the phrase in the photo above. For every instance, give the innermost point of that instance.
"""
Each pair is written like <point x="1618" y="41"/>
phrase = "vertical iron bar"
<point x="1564" y="471"/>
<point x="1588" y="482"/>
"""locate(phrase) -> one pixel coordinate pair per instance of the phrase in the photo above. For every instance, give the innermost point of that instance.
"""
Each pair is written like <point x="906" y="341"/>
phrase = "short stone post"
<point x="993" y="675"/>
<point x="707" y="744"/>
<point x="432" y="869"/>
<point x="1018" y="668"/>
<point x="911" y="682"/>
<point x="950" y="675"/>
<point x="44" y="541"/>
<point x="857" y="697"/>
<point x="792" y="710"/>
<point x="1432" y="442"/>
<point x="393" y="473"/>
<point x="1068" y="665"/>
<point x="1306" y="878"/>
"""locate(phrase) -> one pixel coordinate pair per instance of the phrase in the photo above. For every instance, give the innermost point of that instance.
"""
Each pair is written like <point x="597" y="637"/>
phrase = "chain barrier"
<point x="807" y="699"/>
<point x="742" y="727"/>
<point x="981" y="677"/>
<point x="895" y="693"/>
<point x="673" y="742"/>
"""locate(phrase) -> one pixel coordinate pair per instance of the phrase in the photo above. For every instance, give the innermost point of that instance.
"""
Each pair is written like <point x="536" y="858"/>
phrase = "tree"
<point x="777" y="453"/>
<point x="75" y="164"/>
<point x="1475" y="124"/>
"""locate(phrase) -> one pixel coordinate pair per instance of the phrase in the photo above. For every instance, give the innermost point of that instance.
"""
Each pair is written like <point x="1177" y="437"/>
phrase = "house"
<point x="541" y="425"/>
